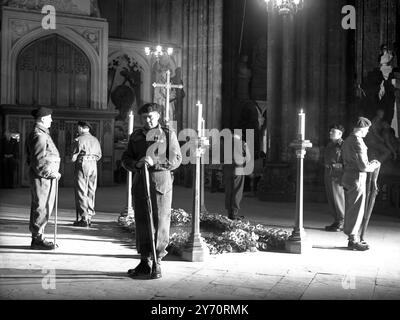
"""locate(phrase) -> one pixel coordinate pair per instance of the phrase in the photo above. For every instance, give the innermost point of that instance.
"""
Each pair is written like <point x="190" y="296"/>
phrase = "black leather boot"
<point x="83" y="223"/>
<point x="39" y="243"/>
<point x="334" y="227"/>
<point x="142" y="269"/>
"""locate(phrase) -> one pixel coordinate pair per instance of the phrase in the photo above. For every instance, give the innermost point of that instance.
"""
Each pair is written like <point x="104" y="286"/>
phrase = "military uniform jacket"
<point x="333" y="159"/>
<point x="86" y="145"/>
<point x="162" y="146"/>
<point x="43" y="157"/>
<point x="355" y="157"/>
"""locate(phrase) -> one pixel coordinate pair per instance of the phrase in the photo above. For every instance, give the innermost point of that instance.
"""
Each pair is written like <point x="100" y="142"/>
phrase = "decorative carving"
<point x="125" y="95"/>
<point x="107" y="127"/>
<point x="13" y="124"/>
<point x="69" y="6"/>
<point x="19" y="27"/>
<point x="92" y="36"/>
<point x="53" y="59"/>
<point x="26" y="61"/>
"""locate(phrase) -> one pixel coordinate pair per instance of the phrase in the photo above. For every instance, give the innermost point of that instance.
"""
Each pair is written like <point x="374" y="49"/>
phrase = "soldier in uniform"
<point x="86" y="152"/>
<point x="356" y="166"/>
<point x="160" y="160"/>
<point x="44" y="163"/>
<point x="333" y="177"/>
<point x="234" y="181"/>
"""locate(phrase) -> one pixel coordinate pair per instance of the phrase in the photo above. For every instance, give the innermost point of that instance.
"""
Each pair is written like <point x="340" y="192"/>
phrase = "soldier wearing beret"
<point x="356" y="166"/>
<point x="158" y="148"/>
<point x="44" y="163"/>
<point x="333" y="177"/>
<point x="86" y="152"/>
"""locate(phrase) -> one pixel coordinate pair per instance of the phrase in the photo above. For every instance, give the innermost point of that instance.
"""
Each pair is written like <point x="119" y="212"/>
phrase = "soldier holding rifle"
<point x="154" y="149"/>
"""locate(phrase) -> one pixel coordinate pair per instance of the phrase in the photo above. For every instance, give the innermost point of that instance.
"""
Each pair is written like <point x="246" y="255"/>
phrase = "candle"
<point x="203" y="127"/>
<point x="131" y="121"/>
<point x="199" y="116"/>
<point x="302" y="125"/>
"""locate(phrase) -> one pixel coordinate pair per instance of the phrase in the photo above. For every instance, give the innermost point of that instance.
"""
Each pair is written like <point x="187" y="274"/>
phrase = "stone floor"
<point x="92" y="263"/>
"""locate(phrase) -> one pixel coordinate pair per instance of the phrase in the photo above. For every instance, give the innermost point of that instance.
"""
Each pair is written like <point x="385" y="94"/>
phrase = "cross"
<point x="168" y="86"/>
<point x="196" y="249"/>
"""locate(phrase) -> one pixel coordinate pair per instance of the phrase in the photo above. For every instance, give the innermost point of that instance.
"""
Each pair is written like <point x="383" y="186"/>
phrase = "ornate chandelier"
<point x="284" y="6"/>
<point x="158" y="51"/>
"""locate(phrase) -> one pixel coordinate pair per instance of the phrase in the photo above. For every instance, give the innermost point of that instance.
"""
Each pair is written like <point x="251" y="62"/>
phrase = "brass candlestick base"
<point x="297" y="242"/>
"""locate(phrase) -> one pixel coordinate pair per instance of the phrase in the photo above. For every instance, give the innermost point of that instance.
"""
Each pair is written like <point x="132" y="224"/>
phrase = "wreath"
<point x="221" y="234"/>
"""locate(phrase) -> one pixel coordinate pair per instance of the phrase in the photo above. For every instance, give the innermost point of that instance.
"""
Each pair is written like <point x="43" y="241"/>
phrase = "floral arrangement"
<point x="127" y="222"/>
<point x="221" y="234"/>
<point x="180" y="217"/>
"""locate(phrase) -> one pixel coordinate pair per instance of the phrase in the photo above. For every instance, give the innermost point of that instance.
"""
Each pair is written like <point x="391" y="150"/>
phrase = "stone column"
<point x="202" y="61"/>
<point x="273" y="86"/>
<point x="287" y="86"/>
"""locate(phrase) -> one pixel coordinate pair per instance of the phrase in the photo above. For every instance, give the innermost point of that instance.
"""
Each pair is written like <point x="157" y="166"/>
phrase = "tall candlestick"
<point x="199" y="116"/>
<point x="131" y="122"/>
<point x="128" y="211"/>
<point x="302" y="125"/>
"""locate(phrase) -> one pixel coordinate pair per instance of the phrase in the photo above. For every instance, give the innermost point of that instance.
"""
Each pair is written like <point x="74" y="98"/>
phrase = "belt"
<point x="334" y="166"/>
<point x="87" y="158"/>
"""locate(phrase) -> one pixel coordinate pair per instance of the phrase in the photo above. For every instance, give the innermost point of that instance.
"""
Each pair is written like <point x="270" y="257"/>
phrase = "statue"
<point x="163" y="64"/>
<point x="259" y="68"/>
<point x="377" y="90"/>
<point x="386" y="89"/>
<point x="379" y="148"/>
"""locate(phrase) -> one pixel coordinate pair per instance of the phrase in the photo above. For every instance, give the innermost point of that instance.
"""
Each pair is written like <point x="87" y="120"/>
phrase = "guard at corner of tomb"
<point x="43" y="160"/>
<point x="160" y="162"/>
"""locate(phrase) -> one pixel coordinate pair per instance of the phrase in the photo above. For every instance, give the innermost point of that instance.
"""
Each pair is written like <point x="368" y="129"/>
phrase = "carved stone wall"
<point x="20" y="27"/>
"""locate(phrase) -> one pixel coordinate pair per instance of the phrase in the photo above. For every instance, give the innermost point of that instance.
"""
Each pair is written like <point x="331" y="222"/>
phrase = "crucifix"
<point x="196" y="249"/>
<point x="167" y="86"/>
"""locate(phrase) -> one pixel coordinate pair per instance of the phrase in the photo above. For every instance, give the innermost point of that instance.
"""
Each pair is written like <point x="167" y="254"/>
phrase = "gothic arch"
<point x="70" y="35"/>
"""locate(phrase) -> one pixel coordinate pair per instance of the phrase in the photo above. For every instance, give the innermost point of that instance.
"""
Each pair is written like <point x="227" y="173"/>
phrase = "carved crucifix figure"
<point x="167" y="86"/>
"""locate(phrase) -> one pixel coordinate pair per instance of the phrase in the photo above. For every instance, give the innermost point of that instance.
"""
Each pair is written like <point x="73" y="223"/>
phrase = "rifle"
<point x="150" y="213"/>
<point x="372" y="191"/>
<point x="55" y="213"/>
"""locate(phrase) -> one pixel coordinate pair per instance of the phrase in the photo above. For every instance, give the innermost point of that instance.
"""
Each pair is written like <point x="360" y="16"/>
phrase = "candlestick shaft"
<point x="167" y="98"/>
<point x="199" y="117"/>
<point x="128" y="211"/>
<point x="302" y="125"/>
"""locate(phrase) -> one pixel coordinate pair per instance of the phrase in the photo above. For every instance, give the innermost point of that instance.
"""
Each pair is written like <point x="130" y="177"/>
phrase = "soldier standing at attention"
<point x="86" y="152"/>
<point x="44" y="163"/>
<point x="356" y="166"/>
<point x="161" y="160"/>
<point x="333" y="177"/>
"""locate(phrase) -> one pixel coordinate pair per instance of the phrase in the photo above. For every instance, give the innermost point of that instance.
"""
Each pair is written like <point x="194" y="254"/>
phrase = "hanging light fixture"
<point x="284" y="6"/>
<point x="158" y="51"/>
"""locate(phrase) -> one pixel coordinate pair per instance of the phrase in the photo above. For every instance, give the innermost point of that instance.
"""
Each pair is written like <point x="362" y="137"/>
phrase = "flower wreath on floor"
<point x="220" y="233"/>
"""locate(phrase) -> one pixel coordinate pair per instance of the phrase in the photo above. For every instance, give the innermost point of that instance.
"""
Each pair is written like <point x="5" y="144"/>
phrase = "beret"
<point x="149" y="107"/>
<point x="362" y="123"/>
<point x="84" y="124"/>
<point x="337" y="127"/>
<point x="41" y="112"/>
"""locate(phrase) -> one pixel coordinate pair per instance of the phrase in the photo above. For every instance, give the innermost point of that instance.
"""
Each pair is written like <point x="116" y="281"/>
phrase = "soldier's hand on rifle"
<point x="56" y="175"/>
<point x="376" y="164"/>
<point x="149" y="160"/>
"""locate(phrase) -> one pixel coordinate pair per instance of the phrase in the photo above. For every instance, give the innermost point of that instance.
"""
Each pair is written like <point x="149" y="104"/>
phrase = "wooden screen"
<point x="52" y="71"/>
